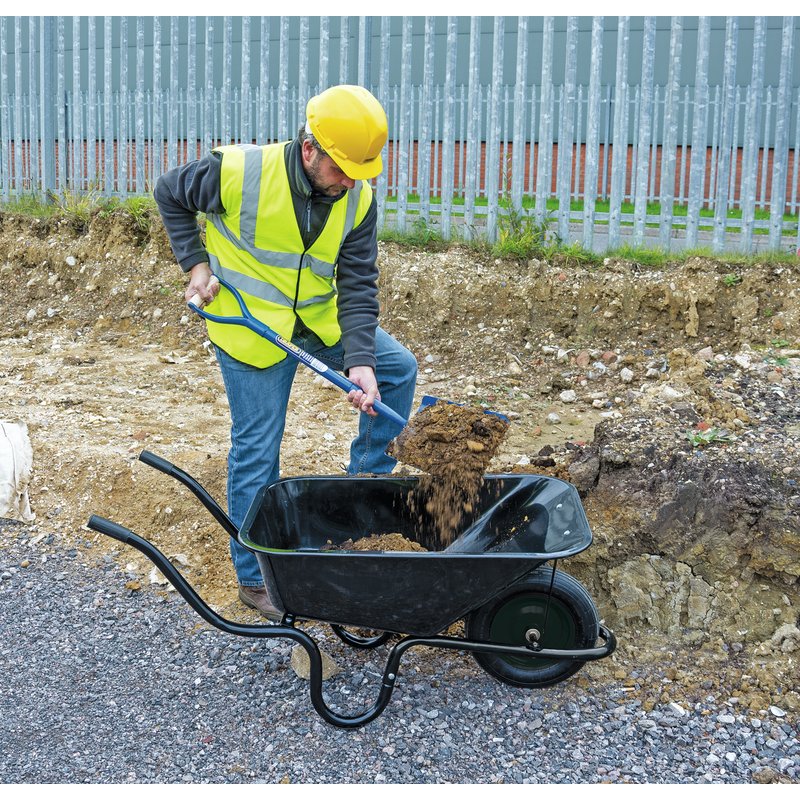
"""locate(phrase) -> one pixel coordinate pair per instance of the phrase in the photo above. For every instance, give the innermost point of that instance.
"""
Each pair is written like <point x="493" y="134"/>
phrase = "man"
<point x="294" y="227"/>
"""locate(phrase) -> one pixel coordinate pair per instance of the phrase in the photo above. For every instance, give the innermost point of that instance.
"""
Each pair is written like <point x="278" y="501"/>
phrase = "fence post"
<point x="91" y="106"/>
<point x="19" y="135"/>
<point x="283" y="80"/>
<point x="713" y="159"/>
<point x="592" y="135"/>
<point x="227" y="70"/>
<point x="474" y="131"/>
<point x="324" y="49"/>
<point x="734" y="147"/>
<point x="670" y="140"/>
<point x="47" y="99"/>
<point x="246" y="127"/>
<point x="61" y="134"/>
<point x="449" y="133"/>
<point x="752" y="126"/>
<point x="566" y="127"/>
<point x="405" y="127"/>
<point x="577" y="135"/>
<point x="108" y="108"/>
<point x="493" y="132"/>
<point x="263" y="86"/>
<point x="619" y="151"/>
<point x="796" y="163"/>
<point x="302" y="78"/>
<point x="139" y="106"/>
<point x="191" y="91"/>
<point x="643" y="135"/>
<point x="518" y="146"/>
<point x="364" y="51"/>
<point x="5" y="139"/>
<point x="426" y="118"/>
<point x="383" y="96"/>
<point x="762" y="199"/>
<point x="699" y="133"/>
<point x="780" y="158"/>
<point x="726" y="135"/>
<point x="545" y="124"/>
<point x="344" y="49"/>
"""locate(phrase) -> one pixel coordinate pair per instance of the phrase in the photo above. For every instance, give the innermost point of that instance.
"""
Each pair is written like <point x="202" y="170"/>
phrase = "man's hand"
<point x="203" y="286"/>
<point x="364" y="400"/>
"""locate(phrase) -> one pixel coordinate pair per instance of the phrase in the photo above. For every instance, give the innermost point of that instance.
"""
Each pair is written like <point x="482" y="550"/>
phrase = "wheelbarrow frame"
<point x="287" y="628"/>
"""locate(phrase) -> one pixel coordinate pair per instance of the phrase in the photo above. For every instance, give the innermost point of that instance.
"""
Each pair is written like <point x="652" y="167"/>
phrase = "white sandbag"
<point x="16" y="463"/>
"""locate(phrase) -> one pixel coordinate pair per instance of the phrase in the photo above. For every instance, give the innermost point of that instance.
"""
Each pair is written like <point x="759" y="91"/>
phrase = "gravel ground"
<point x="101" y="684"/>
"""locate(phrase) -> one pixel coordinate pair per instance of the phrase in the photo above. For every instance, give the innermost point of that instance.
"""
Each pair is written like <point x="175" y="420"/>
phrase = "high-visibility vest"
<point x="256" y="246"/>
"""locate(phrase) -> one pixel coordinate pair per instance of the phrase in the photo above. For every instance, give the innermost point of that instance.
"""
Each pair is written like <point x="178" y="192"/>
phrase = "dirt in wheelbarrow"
<point x="453" y="445"/>
<point x="392" y="542"/>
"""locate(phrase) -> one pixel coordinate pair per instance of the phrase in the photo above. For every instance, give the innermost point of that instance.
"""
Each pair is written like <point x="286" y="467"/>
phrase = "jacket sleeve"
<point x="180" y="194"/>
<point x="357" y="284"/>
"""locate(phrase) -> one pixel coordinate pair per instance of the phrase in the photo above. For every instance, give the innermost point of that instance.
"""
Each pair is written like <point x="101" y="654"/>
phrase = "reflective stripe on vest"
<point x="256" y="246"/>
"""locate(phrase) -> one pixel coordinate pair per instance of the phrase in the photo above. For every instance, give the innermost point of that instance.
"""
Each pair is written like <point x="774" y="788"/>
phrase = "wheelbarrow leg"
<point x="182" y="586"/>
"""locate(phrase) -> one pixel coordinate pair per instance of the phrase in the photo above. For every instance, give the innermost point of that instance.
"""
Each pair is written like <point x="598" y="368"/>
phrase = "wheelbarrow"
<point x="527" y="623"/>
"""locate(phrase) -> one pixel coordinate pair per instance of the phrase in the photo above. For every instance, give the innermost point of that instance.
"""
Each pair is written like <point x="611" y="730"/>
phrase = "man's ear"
<point x="307" y="151"/>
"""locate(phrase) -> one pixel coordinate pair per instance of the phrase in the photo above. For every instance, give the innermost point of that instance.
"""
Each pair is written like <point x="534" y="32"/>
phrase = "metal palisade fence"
<point x="89" y="104"/>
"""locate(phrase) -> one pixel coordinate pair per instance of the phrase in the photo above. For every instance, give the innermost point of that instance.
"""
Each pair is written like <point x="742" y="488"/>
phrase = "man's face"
<point x="322" y="172"/>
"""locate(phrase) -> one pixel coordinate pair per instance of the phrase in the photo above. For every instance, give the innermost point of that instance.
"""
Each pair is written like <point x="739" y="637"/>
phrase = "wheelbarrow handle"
<point x="297" y="353"/>
<point x="109" y="528"/>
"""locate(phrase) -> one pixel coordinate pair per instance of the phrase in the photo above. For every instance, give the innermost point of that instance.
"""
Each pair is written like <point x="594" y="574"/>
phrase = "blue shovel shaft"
<point x="297" y="353"/>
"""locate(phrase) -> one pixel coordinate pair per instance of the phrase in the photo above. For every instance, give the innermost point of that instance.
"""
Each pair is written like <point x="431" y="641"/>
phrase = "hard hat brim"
<point x="359" y="172"/>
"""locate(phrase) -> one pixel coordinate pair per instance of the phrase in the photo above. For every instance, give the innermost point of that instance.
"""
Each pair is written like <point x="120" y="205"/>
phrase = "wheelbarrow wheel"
<point x="520" y="611"/>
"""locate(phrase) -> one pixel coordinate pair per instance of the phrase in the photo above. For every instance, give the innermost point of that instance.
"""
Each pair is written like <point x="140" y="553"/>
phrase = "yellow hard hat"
<point x="350" y="125"/>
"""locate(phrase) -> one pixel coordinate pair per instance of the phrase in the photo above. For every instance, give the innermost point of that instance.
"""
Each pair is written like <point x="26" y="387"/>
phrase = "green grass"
<point x="647" y="257"/>
<point x="30" y="206"/>
<point x="421" y="235"/>
<point x="78" y="208"/>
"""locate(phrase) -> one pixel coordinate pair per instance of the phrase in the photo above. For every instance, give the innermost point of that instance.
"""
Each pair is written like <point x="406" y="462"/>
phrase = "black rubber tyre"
<point x="572" y="622"/>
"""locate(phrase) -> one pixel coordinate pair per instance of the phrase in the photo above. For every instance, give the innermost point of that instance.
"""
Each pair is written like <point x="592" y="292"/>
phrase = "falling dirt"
<point x="453" y="445"/>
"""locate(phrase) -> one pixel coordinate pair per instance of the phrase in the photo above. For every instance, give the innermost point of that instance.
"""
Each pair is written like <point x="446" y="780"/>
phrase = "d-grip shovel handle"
<point x="258" y="327"/>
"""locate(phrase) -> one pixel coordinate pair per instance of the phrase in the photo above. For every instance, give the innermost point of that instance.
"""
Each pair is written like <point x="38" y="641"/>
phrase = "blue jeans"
<point x="258" y="400"/>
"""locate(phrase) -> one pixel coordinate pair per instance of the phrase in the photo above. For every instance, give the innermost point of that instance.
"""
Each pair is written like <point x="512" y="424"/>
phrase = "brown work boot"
<point x="256" y="597"/>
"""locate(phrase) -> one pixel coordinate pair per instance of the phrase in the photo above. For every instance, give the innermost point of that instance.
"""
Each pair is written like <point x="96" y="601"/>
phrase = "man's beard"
<point x="313" y="174"/>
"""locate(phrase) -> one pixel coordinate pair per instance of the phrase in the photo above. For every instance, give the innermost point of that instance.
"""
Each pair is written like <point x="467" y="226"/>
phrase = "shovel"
<point x="258" y="327"/>
<point x="411" y="445"/>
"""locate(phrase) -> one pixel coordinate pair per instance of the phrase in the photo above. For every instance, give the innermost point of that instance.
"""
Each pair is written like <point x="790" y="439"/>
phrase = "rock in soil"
<point x="302" y="666"/>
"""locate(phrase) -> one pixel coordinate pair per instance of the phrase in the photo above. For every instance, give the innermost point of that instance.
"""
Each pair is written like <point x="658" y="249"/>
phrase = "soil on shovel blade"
<point x="453" y="444"/>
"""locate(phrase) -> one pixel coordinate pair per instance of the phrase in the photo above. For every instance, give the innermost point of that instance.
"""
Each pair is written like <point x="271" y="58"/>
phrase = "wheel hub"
<point x="532" y="636"/>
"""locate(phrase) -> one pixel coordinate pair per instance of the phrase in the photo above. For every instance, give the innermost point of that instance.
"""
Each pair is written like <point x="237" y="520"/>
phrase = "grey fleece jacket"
<point x="195" y="187"/>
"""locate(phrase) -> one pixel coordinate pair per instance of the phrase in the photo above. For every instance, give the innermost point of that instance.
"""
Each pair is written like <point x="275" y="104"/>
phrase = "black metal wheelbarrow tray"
<point x="526" y="623"/>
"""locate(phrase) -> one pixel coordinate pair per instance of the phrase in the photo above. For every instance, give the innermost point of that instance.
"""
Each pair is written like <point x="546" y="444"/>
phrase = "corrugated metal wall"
<point x="672" y="164"/>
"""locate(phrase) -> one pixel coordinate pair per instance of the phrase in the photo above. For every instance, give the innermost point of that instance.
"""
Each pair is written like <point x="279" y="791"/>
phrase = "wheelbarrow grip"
<point x="112" y="529"/>
<point x="161" y="464"/>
